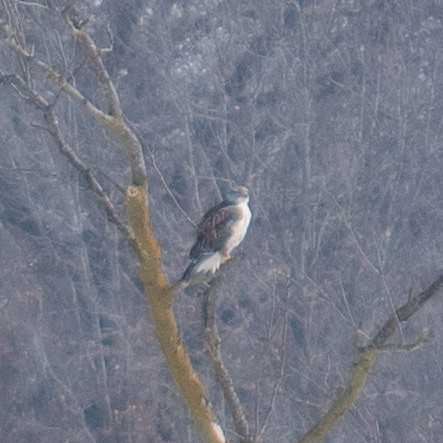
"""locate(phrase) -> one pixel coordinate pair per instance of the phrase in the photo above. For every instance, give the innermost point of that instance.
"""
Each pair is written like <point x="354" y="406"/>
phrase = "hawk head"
<point x="238" y="195"/>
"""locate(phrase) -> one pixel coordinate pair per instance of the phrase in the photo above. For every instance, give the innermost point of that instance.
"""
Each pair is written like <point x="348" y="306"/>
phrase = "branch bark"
<point x="160" y="297"/>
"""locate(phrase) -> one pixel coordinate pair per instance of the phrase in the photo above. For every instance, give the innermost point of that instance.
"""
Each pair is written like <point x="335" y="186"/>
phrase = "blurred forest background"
<point x="330" y="112"/>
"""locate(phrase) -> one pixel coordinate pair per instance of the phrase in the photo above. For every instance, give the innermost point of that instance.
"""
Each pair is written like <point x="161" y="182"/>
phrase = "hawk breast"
<point x="239" y="227"/>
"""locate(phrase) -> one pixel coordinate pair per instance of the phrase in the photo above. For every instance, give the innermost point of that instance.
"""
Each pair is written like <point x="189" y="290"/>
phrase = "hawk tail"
<point x="205" y="263"/>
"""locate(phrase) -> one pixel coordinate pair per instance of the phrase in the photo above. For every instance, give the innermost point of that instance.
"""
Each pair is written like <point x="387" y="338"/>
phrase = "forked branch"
<point x="113" y="120"/>
<point x="365" y="362"/>
<point x="160" y="295"/>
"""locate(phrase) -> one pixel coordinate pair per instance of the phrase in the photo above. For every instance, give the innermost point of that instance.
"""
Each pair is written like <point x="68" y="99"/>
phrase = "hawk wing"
<point x="215" y="229"/>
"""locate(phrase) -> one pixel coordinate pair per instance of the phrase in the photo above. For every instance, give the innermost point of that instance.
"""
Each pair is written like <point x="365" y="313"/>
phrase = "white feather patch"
<point x="209" y="264"/>
<point x="239" y="228"/>
<point x="219" y="432"/>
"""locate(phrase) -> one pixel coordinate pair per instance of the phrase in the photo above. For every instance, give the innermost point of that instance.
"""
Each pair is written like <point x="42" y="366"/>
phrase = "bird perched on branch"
<point x="221" y="230"/>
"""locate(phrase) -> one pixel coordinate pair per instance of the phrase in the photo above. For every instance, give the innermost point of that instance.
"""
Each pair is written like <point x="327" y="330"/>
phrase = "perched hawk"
<point x="222" y="229"/>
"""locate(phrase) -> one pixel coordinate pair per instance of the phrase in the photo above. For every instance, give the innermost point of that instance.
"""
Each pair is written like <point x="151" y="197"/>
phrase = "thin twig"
<point x="160" y="174"/>
<point x="388" y="293"/>
<point x="282" y="367"/>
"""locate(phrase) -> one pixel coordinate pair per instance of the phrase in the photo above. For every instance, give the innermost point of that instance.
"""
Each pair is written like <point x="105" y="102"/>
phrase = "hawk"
<point x="221" y="230"/>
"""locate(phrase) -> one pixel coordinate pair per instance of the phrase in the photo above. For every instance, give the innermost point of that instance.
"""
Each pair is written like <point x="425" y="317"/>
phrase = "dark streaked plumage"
<point x="222" y="229"/>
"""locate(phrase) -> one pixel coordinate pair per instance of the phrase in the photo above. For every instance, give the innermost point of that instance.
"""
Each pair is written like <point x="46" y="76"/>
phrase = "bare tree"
<point x="311" y="107"/>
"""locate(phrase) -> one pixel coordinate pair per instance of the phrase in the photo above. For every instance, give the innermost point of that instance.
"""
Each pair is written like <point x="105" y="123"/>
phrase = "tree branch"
<point x="32" y="96"/>
<point x="212" y="340"/>
<point x="365" y="362"/>
<point x="94" y="58"/>
<point x="407" y="310"/>
<point x="114" y="122"/>
<point x="160" y="297"/>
